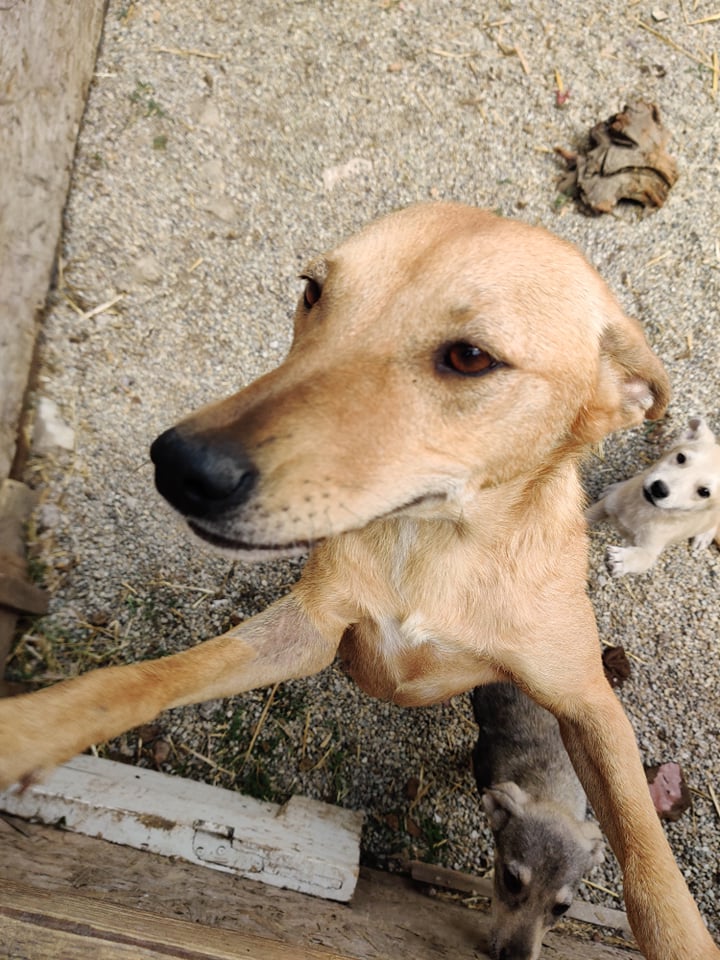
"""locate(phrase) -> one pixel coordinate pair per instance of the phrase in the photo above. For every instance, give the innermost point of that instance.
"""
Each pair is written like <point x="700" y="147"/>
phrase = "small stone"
<point x="51" y="431"/>
<point x="146" y="270"/>
<point x="352" y="170"/>
<point x="221" y="207"/>
<point x="668" y="790"/>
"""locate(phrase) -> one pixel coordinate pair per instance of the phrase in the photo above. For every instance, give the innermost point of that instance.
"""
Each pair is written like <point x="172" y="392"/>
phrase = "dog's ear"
<point x="696" y="431"/>
<point x="631" y="382"/>
<point x="503" y="801"/>
<point x="596" y="845"/>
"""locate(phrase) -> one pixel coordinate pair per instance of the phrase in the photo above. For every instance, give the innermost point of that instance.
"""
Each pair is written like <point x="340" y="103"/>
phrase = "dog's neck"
<point x="424" y="599"/>
<point x="532" y="527"/>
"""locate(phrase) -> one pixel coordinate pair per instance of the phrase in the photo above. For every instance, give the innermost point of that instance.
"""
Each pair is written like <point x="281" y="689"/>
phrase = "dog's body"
<point x="677" y="498"/>
<point x="421" y="438"/>
<point x="537" y="809"/>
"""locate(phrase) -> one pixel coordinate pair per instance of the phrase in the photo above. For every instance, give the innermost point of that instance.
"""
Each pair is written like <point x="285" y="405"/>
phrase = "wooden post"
<point x="47" y="57"/>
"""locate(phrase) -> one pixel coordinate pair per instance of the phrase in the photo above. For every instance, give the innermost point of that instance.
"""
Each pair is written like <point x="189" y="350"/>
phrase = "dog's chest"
<point x="408" y="661"/>
<point x="398" y="638"/>
<point x="412" y="601"/>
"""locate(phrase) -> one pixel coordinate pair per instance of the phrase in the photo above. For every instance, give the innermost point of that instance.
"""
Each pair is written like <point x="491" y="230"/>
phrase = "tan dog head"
<point x="440" y="351"/>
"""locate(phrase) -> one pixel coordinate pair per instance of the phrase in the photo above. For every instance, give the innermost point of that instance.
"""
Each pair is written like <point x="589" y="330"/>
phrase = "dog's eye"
<point x="311" y="293"/>
<point x="512" y="882"/>
<point x="703" y="492"/>
<point x="559" y="909"/>
<point x="468" y="360"/>
<point x="681" y="458"/>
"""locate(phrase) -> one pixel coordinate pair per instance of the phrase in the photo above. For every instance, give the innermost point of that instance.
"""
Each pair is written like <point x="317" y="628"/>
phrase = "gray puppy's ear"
<point x="502" y="801"/>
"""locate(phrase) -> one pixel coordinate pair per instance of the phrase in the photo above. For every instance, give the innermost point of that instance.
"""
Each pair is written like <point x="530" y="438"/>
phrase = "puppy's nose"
<point x="659" y="490"/>
<point x="199" y="475"/>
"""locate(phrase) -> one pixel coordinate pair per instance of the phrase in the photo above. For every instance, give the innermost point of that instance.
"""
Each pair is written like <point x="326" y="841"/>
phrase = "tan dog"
<point x="421" y="439"/>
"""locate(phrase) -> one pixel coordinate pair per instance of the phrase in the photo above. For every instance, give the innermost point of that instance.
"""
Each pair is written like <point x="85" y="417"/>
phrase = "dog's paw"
<point x="622" y="560"/>
<point x="19" y="772"/>
<point x="703" y="540"/>
<point x="615" y="561"/>
<point x="25" y="753"/>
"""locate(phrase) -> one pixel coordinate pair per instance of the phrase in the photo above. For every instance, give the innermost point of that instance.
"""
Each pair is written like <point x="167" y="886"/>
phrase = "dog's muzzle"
<point x="200" y="475"/>
<point x="656" y="491"/>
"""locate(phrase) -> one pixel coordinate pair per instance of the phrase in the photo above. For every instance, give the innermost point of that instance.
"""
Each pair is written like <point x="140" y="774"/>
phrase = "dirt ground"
<point x="225" y="144"/>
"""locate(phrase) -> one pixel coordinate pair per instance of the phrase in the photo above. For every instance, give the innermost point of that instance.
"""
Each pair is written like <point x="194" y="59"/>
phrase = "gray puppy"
<point x="537" y="810"/>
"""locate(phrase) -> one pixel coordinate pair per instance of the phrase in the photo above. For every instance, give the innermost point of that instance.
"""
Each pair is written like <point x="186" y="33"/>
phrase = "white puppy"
<point x="677" y="498"/>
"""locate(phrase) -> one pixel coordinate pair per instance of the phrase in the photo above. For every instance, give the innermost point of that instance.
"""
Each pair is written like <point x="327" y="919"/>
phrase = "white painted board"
<point x="303" y="845"/>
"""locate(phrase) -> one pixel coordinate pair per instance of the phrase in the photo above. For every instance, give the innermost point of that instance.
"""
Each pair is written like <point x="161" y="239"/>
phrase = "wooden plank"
<point x="389" y="916"/>
<point x="580" y="910"/>
<point x="47" y="56"/>
<point x="46" y="926"/>
<point x="18" y="593"/>
<point x="303" y="845"/>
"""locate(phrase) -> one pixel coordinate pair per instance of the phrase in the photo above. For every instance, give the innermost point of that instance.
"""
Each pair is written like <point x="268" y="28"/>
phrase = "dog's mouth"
<point x="220" y="542"/>
<point x="295" y="548"/>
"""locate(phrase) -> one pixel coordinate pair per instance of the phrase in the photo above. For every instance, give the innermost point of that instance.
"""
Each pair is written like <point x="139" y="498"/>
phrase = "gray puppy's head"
<point x="541" y="855"/>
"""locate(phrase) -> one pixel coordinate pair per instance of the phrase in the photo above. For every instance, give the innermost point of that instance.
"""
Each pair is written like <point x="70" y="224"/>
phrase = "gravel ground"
<point x="206" y="175"/>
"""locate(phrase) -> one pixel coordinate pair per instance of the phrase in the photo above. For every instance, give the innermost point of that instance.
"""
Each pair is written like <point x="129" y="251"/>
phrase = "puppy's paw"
<point x="615" y="561"/>
<point x="622" y="560"/>
<point x="703" y="540"/>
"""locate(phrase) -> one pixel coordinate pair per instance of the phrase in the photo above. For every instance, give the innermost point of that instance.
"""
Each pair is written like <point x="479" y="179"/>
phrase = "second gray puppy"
<point x="537" y="810"/>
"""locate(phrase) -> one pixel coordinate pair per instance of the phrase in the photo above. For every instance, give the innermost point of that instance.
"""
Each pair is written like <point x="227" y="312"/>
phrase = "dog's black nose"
<point x="659" y="490"/>
<point x="201" y="476"/>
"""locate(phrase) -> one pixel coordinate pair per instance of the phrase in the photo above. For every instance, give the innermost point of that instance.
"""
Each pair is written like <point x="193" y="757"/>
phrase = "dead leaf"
<point x="413" y="829"/>
<point x="411" y="788"/>
<point x="625" y="160"/>
<point x="392" y="820"/>
<point x="148" y="732"/>
<point x="616" y="666"/>
<point x="160" y="751"/>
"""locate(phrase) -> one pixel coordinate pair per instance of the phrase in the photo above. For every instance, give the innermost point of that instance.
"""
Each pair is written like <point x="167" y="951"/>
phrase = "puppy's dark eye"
<point x="681" y="458"/>
<point x="512" y="882"/>
<point x="468" y="360"/>
<point x="559" y="909"/>
<point x="312" y="292"/>
<point x="703" y="492"/>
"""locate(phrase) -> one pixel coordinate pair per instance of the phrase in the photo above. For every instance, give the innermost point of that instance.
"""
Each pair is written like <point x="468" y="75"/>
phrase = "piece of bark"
<point x="616" y="666"/>
<point x="625" y="159"/>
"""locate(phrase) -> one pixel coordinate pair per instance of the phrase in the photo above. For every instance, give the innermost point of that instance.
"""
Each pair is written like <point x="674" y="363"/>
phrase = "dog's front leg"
<point x="661" y="911"/>
<point x="702" y="540"/>
<point x="602" y="746"/>
<point x="40" y="730"/>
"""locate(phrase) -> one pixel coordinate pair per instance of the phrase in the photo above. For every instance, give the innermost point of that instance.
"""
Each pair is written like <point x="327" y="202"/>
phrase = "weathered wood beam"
<point x="47" y="58"/>
<point x="303" y="845"/>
